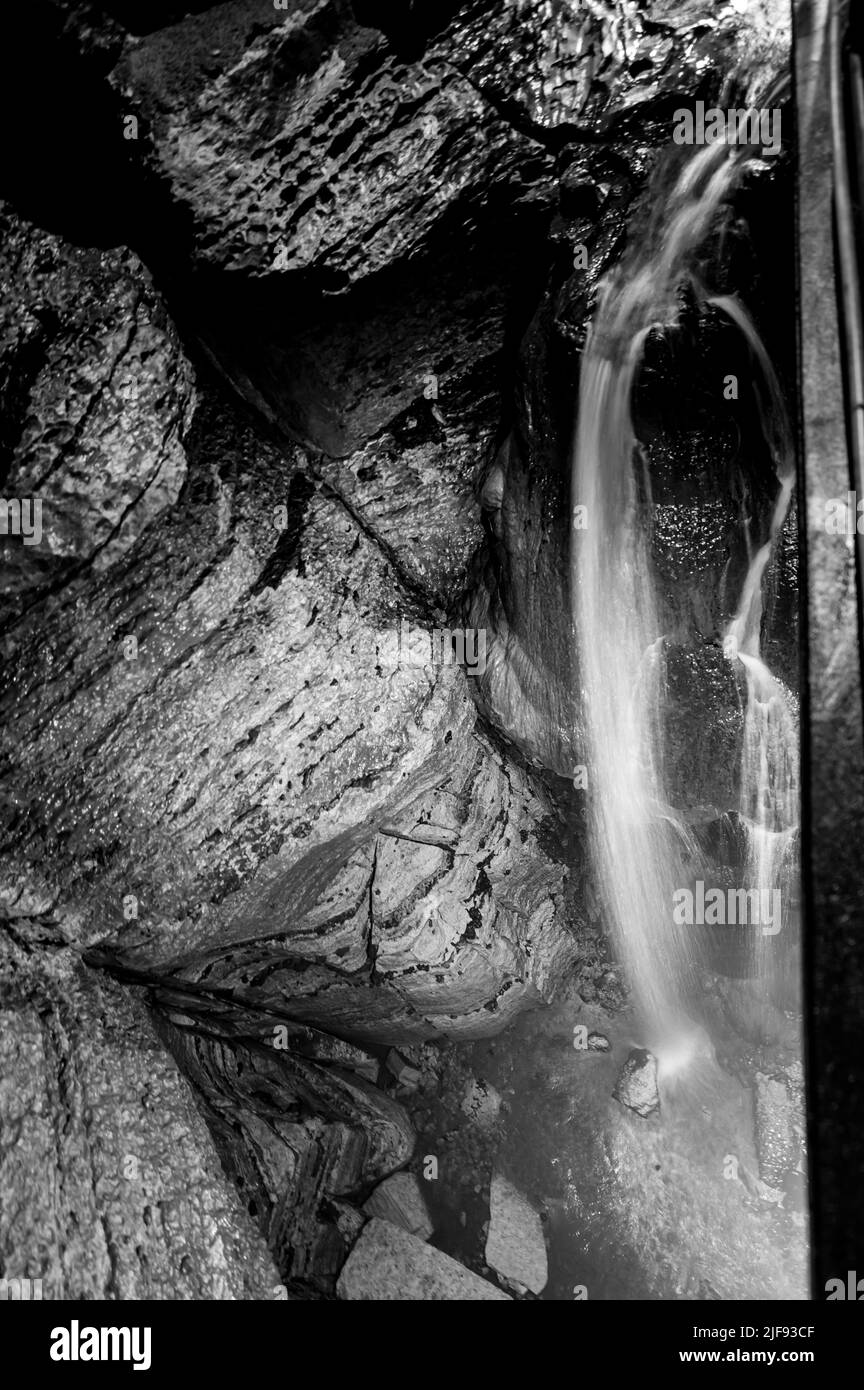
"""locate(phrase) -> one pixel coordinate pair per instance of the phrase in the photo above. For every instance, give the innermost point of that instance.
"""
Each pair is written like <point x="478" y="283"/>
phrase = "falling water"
<point x="769" y="798"/>
<point x="640" y="847"/>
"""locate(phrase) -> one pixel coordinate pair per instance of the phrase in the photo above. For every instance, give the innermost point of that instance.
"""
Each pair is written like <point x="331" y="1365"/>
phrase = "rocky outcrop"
<point x="301" y="1135"/>
<point x="438" y="927"/>
<point x="96" y="396"/>
<point x="110" y="1187"/>
<point x="187" y="819"/>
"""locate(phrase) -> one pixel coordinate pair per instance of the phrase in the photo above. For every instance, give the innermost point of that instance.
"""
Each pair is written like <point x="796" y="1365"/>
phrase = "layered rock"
<point x="445" y="925"/>
<point x="300" y="1137"/>
<point x="109" y="1184"/>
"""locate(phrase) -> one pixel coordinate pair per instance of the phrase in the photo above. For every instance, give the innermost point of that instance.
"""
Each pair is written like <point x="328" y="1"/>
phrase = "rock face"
<point x="96" y="396"/>
<point x="637" y="1085"/>
<point x="345" y="810"/>
<point x="300" y="1133"/>
<point x="388" y="1264"/>
<point x="515" y="1247"/>
<point x="109" y="1184"/>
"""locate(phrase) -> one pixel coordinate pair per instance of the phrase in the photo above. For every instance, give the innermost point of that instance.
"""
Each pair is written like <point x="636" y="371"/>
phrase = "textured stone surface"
<point x="515" y="1247"/>
<point x="261" y="121"/>
<point x="776" y="1121"/>
<point x="110" y="1187"/>
<point x="96" y="396"/>
<point x="636" y="1086"/>
<point x="300" y="1136"/>
<point x="259" y="762"/>
<point x="399" y="1199"/>
<point x="481" y="1103"/>
<point x="388" y="1264"/>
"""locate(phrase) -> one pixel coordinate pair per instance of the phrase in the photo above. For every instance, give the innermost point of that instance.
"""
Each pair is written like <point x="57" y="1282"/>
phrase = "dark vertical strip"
<point x="833" y="734"/>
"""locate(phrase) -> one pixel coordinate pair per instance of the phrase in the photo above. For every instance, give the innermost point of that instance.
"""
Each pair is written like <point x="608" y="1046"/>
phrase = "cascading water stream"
<point x="770" y="805"/>
<point x="640" y="848"/>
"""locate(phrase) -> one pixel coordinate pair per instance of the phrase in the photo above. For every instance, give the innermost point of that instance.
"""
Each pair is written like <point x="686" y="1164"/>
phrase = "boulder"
<point x="515" y="1247"/>
<point x="390" y="1265"/>
<point x="399" y="1199"/>
<point x="636" y="1086"/>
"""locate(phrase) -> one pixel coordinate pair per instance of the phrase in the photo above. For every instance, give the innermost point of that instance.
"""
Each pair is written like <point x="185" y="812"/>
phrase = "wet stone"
<point x="515" y="1247"/>
<point x="390" y="1265"/>
<point x="637" y="1085"/>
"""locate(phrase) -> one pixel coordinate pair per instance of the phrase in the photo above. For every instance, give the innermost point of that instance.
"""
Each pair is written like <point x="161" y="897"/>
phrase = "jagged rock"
<point x="636" y="1087"/>
<point x="389" y="1264"/>
<point x="110" y="1187"/>
<point x="399" y="1199"/>
<point x="481" y="1103"/>
<point x="406" y="1075"/>
<point x="298" y="1136"/>
<point x="307" y="171"/>
<point x="426" y="466"/>
<point x="515" y="1247"/>
<point x="302" y="133"/>
<point x="598" y="1042"/>
<point x="349" y="1221"/>
<point x="776" y="1117"/>
<point x="96" y="395"/>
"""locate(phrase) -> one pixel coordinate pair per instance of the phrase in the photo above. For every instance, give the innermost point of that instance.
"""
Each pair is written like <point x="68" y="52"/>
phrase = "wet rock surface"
<point x="636" y="1087"/>
<point x="629" y="1208"/>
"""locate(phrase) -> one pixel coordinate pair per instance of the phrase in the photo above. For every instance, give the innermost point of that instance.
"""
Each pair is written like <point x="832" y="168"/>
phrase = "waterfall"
<point x="640" y="847"/>
<point x="769" y="798"/>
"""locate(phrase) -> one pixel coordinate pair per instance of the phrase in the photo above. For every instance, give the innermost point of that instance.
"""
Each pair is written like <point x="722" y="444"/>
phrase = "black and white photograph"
<point x="431" y="701"/>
